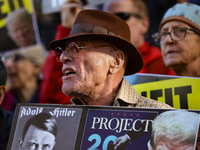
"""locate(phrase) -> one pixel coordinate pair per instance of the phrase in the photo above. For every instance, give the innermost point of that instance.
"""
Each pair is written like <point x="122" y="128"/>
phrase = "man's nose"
<point x="65" y="57"/>
<point x="9" y="63"/>
<point x="168" y="39"/>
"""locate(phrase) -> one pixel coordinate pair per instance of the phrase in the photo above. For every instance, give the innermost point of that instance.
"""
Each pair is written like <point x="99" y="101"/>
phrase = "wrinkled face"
<point x="21" y="33"/>
<point x="37" y="139"/>
<point x="86" y="72"/>
<point x="20" y="71"/>
<point x="134" y="23"/>
<point x="182" y="52"/>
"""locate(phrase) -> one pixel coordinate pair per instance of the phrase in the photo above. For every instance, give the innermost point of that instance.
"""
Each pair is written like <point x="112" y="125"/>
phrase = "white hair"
<point x="175" y="126"/>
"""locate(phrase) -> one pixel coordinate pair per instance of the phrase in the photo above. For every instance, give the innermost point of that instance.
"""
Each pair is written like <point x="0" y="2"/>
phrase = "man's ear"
<point x="145" y="24"/>
<point x="20" y="143"/>
<point x="38" y="69"/>
<point x="2" y="93"/>
<point x="117" y="61"/>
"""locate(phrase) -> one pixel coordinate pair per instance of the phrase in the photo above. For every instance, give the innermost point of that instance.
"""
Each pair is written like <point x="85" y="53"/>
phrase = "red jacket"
<point x="51" y="85"/>
<point x="153" y="62"/>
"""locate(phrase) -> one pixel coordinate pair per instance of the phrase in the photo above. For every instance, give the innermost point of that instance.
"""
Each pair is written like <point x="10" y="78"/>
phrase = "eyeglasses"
<point x="74" y="49"/>
<point x="12" y="57"/>
<point x="176" y="34"/>
<point x="125" y="15"/>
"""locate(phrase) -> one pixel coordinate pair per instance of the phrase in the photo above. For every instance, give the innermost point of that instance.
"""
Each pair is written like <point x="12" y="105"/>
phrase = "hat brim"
<point x="135" y="61"/>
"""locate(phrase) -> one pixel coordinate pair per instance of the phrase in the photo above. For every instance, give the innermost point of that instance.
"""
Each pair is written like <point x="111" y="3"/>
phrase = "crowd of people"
<point x="93" y="50"/>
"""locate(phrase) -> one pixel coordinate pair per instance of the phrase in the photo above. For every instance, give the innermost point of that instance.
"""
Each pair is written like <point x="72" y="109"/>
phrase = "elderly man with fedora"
<point x="95" y="56"/>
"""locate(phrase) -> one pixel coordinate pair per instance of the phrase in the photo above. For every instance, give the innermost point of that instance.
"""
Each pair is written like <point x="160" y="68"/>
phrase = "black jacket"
<point x="6" y="119"/>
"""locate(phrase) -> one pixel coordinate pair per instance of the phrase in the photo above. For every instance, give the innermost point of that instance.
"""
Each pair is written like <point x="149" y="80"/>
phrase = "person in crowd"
<point x="52" y="74"/>
<point x="24" y="68"/>
<point x="39" y="132"/>
<point x="20" y="28"/>
<point x="157" y="9"/>
<point x="95" y="56"/>
<point x="136" y="15"/>
<point x="46" y="22"/>
<point x="179" y="39"/>
<point x="6" y="117"/>
<point x="175" y="129"/>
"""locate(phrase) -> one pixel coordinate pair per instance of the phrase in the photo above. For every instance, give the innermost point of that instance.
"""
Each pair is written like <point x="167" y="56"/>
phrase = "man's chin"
<point x="67" y="92"/>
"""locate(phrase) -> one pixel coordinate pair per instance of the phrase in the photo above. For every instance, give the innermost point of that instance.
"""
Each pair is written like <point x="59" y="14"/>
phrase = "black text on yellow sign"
<point x="180" y="93"/>
<point x="6" y="6"/>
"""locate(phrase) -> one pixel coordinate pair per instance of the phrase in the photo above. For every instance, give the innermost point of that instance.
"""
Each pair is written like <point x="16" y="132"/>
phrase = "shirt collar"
<point x="125" y="96"/>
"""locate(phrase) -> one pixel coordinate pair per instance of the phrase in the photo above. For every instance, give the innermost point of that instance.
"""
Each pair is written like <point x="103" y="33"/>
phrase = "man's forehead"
<point x="171" y="146"/>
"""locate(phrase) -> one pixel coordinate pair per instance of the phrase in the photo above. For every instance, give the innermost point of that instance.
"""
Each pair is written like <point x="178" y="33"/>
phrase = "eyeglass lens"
<point x="177" y="34"/>
<point x="58" y="52"/>
<point x="12" y="57"/>
<point x="124" y="16"/>
<point x="73" y="50"/>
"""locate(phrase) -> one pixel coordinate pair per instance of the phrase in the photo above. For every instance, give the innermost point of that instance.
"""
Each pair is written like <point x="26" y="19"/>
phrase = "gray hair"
<point x="177" y="126"/>
<point x="20" y="14"/>
<point x="35" y="53"/>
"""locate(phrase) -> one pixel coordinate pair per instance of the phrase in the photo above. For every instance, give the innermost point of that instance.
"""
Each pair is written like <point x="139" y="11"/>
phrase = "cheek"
<point x="97" y="68"/>
<point x="26" y="71"/>
<point x="162" y="51"/>
<point x="189" y="51"/>
<point x="28" y="31"/>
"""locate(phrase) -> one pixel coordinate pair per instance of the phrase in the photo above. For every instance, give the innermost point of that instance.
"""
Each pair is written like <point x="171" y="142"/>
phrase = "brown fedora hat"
<point x="97" y="23"/>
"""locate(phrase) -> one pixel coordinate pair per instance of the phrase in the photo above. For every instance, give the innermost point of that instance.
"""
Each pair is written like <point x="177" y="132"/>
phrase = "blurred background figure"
<point x="24" y="68"/>
<point x="136" y="15"/>
<point x="179" y="39"/>
<point x="157" y="9"/>
<point x="52" y="72"/>
<point x="47" y="23"/>
<point x="176" y="129"/>
<point x="6" y="117"/>
<point x="20" y="27"/>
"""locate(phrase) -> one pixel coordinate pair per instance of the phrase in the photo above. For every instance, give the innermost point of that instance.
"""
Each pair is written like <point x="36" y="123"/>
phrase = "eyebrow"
<point x="173" y="27"/>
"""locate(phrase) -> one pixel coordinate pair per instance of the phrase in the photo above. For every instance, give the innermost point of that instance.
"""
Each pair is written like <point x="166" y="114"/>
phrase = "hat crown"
<point x="186" y="12"/>
<point x="109" y="27"/>
<point x="104" y="20"/>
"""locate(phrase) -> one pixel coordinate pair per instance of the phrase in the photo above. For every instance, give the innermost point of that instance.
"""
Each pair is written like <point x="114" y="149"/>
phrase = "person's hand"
<point x="69" y="10"/>
<point x="121" y="142"/>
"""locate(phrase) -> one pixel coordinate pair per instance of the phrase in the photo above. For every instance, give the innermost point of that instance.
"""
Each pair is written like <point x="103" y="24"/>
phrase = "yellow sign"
<point x="180" y="93"/>
<point x="6" y="6"/>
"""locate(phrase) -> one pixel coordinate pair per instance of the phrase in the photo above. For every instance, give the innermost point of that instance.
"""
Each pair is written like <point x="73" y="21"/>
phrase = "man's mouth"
<point x="68" y="72"/>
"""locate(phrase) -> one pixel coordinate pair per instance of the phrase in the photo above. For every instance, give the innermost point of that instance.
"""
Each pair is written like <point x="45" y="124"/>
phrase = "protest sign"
<point x="21" y="28"/>
<point x="177" y="91"/>
<point x="96" y="127"/>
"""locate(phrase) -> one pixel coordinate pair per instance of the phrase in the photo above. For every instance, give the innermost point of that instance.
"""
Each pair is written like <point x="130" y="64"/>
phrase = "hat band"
<point x="89" y="28"/>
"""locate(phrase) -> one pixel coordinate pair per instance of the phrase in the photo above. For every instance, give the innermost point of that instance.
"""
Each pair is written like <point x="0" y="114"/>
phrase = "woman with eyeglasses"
<point x="136" y="15"/>
<point x="24" y="68"/>
<point x="179" y="39"/>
